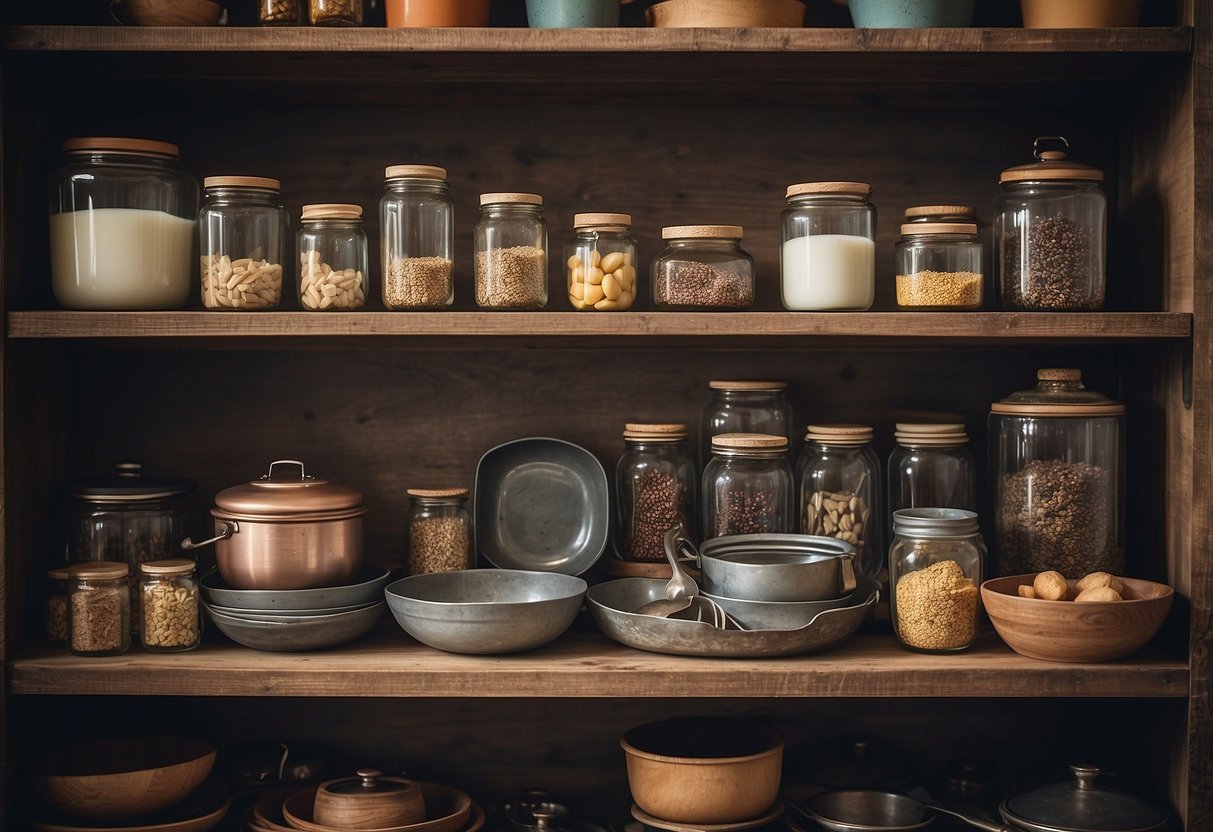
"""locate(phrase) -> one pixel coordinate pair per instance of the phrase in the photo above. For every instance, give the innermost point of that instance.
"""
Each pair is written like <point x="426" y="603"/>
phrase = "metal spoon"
<point x="680" y="589"/>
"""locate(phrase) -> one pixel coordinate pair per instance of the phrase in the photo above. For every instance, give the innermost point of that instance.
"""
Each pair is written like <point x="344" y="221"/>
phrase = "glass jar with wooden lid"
<point x="932" y="467"/>
<point x="335" y="12"/>
<point x="168" y="606"/>
<point x="703" y="268"/>
<point x="655" y="483"/>
<point x="511" y="252"/>
<point x="828" y="252"/>
<point x="242" y="232"/>
<point x="839" y="490"/>
<point x="745" y="406"/>
<point x="332" y="258"/>
<point x="941" y="213"/>
<point x="939" y="266"/>
<point x="600" y="263"/>
<point x="747" y="486"/>
<point x="417" y="238"/>
<point x="440" y="530"/>
<point x="99" y="609"/>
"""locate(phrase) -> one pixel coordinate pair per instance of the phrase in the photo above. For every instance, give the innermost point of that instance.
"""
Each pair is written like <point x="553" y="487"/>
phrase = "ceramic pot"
<point x="572" y="14"/>
<point x="911" y="14"/>
<point x="436" y="13"/>
<point x="1079" y="14"/>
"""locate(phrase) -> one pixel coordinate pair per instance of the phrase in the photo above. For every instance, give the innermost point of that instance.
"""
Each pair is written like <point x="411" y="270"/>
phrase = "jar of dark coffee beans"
<point x="703" y="268"/>
<point x="747" y="486"/>
<point x="1049" y="230"/>
<point x="839" y="489"/>
<point x="655" y="489"/>
<point x="1058" y="453"/>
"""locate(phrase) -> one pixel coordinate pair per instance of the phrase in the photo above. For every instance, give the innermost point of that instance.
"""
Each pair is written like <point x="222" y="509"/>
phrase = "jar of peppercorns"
<point x="511" y="252"/>
<point x="703" y="268"/>
<point x="440" y="530"/>
<point x="839" y="486"/>
<point x="654" y="487"/>
<point x="600" y="259"/>
<point x="747" y="486"/>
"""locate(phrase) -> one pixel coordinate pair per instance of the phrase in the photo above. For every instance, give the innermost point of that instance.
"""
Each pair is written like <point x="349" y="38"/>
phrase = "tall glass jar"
<point x="335" y="12"/>
<point x="1049" y="232"/>
<point x="935" y="569"/>
<point x="932" y="467"/>
<point x="99" y="609"/>
<point x="838" y="490"/>
<point x="745" y="406"/>
<point x="747" y="486"/>
<point x="332" y="258"/>
<point x="600" y="263"/>
<point x="242" y="233"/>
<point x="655" y="482"/>
<point x="417" y="239"/>
<point x="1058" y="455"/>
<point x="511" y="252"/>
<point x="58" y="590"/>
<point x="278" y="12"/>
<point x="939" y="266"/>
<point x="122" y="225"/>
<point x="440" y="530"/>
<point x="703" y="268"/>
<point x="169" y="609"/>
<point x="828" y="256"/>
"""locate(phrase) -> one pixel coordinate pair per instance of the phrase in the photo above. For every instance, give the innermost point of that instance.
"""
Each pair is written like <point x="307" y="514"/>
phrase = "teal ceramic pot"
<point x="571" y="14"/>
<point x="908" y="14"/>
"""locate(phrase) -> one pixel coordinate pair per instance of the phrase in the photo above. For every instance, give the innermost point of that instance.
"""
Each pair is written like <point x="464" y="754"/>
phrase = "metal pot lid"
<point x="129" y="485"/>
<point x="1058" y="392"/>
<point x="369" y="781"/>
<point x="281" y="493"/>
<point x="1081" y="806"/>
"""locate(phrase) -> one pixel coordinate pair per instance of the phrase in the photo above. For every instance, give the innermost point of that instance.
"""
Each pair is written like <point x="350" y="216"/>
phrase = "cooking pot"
<point x="286" y="532"/>
<point x="777" y="567"/>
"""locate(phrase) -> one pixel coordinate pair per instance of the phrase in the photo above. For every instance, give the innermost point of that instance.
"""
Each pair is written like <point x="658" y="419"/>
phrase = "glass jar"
<point x="932" y="467"/>
<point x="334" y="12"/>
<point x="58" y="590"/>
<point x="736" y="406"/>
<point x="654" y="489"/>
<point x="440" y="530"/>
<point x="935" y="569"/>
<point x="939" y="266"/>
<point x="278" y="12"/>
<point x="1058" y="464"/>
<point x="600" y="261"/>
<point x="1049" y="229"/>
<point x="838" y="490"/>
<point x="122" y="220"/>
<point x="828" y="257"/>
<point x="941" y="213"/>
<point x="747" y="486"/>
<point x="332" y="257"/>
<point x="242" y="232"/>
<point x="168" y="606"/>
<point x="703" y="267"/>
<point x="99" y="609"/>
<point x="417" y="220"/>
<point x="511" y="252"/>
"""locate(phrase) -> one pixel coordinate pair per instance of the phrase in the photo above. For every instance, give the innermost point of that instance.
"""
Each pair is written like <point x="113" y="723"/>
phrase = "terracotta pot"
<point x="427" y="13"/>
<point x="1079" y="14"/>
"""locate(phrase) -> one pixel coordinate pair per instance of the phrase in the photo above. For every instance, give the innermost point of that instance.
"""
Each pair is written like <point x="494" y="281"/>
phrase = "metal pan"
<point x="777" y="567"/>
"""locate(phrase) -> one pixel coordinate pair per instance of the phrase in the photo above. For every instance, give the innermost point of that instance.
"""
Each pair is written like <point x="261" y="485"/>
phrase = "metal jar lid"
<point x="1052" y="166"/>
<point x="935" y="522"/>
<point x="128" y="485"/>
<point x="369" y="781"/>
<point x="1082" y="806"/>
<point x="283" y="497"/>
<point x="1058" y="392"/>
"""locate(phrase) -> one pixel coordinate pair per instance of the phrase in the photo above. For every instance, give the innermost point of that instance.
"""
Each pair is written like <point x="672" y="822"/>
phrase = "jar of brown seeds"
<point x="99" y="609"/>
<point x="747" y="486"/>
<point x="511" y="252"/>
<point x="440" y="530"/>
<point x="703" y="268"/>
<point x="654" y="488"/>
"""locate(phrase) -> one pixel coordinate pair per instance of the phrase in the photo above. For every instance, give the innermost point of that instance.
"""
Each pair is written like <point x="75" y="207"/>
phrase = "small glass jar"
<point x="511" y="252"/>
<point x="655" y="481"/>
<point x="600" y="263"/>
<point x="703" y="267"/>
<point x="935" y="569"/>
<point x="440" y="530"/>
<point x="122" y="225"/>
<point x="939" y="266"/>
<point x="242" y="233"/>
<point x="168" y="606"/>
<point x="332" y="258"/>
<point x="745" y="406"/>
<point x="747" y="486"/>
<point x="58" y="589"/>
<point x="417" y="238"/>
<point x="932" y="467"/>
<point x="334" y="12"/>
<point x="838" y="490"/>
<point x="278" y="12"/>
<point x="1049" y="232"/>
<point x="941" y="213"/>
<point x="828" y="256"/>
<point x="1058" y="455"/>
<point x="99" y="609"/>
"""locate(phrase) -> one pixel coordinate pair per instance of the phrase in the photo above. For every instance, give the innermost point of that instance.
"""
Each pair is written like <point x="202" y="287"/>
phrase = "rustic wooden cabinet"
<point x="676" y="127"/>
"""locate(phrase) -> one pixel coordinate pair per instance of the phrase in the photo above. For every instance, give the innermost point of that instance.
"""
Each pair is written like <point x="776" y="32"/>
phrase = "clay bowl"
<point x="1065" y="631"/>
<point x="726" y="13"/>
<point x="126" y="777"/>
<point x="447" y="809"/>
<point x="368" y="800"/>
<point x="700" y="770"/>
<point x="167" y="12"/>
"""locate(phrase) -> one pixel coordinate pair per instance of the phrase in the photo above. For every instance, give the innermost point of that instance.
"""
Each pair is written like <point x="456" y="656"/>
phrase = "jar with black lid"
<point x="332" y="258"/>
<point x="600" y="261"/>
<point x="703" y="268"/>
<point x="511" y="252"/>
<point x="655" y="481"/>
<point x="242" y="233"/>
<point x="747" y="486"/>
<point x="417" y="238"/>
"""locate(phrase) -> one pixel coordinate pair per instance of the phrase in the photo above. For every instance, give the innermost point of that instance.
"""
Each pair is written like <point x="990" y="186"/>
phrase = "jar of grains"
<point x="939" y="266"/>
<point x="57" y="591"/>
<point x="838" y="490"/>
<point x="828" y="257"/>
<point x="122" y="225"/>
<point x="278" y="12"/>
<point x="1049" y="227"/>
<point x="511" y="252"/>
<point x="703" y="267"/>
<point x="745" y="406"/>
<point x="1058" y="456"/>
<point x="332" y="258"/>
<point x="941" y="213"/>
<point x="168" y="599"/>
<point x="600" y="259"/>
<point x="417" y="220"/>
<point x="335" y="12"/>
<point x="932" y="467"/>
<point x="935" y="568"/>
<point x="655" y="488"/>
<point x="440" y="530"/>
<point x="747" y="486"/>
<point x="99" y="609"/>
<point x="242" y="230"/>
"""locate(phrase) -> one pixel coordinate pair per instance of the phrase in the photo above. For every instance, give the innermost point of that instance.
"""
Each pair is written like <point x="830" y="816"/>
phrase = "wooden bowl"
<point x="167" y="12"/>
<point x="127" y="777"/>
<point x="726" y="13"/>
<point x="1065" y="631"/>
<point x="369" y="800"/>
<point x="447" y="810"/>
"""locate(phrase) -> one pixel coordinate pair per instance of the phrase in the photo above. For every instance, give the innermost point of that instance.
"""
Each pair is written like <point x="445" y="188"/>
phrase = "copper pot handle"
<point x="225" y="530"/>
<point x="269" y="475"/>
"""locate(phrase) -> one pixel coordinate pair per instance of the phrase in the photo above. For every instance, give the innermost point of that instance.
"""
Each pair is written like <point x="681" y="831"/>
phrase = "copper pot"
<point x="281" y="532"/>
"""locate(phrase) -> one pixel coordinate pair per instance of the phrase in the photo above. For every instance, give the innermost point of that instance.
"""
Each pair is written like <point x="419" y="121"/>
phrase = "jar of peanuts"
<point x="417" y="233"/>
<point x="332" y="258"/>
<point x="440" y="530"/>
<point x="655" y="489"/>
<point x="242" y="230"/>
<point x="511" y="252"/>
<point x="839" y="489"/>
<point x="278" y="12"/>
<point x="703" y="268"/>
<point x="334" y="12"/>
<point x="747" y="486"/>
<point x="168" y="598"/>
<point x="600" y="260"/>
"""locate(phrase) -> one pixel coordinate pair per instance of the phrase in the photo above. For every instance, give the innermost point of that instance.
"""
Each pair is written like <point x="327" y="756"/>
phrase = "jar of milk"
<point x="828" y="257"/>
<point x="122" y="225"/>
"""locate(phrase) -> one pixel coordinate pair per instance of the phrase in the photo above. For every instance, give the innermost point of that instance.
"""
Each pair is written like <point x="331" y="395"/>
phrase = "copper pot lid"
<point x="1052" y="165"/>
<point x="369" y="781"/>
<point x="127" y="484"/>
<point x="1080" y="805"/>
<point x="1058" y="392"/>
<point x="288" y="493"/>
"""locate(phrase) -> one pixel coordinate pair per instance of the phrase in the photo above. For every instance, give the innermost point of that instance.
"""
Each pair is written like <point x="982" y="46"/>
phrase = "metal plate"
<point x="291" y="636"/>
<point x="366" y="588"/>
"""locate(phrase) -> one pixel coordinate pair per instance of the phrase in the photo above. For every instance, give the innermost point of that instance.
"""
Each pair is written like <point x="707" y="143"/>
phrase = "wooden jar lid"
<point x="331" y="211"/>
<point x="747" y="385"/>
<point x="437" y="493"/>
<point x="920" y="212"/>
<point x="655" y="431"/>
<point x="839" y="434"/>
<point x="264" y="183"/>
<point x="939" y="228"/>
<point x="749" y="442"/>
<point x="414" y="172"/>
<point x="172" y="566"/>
<point x="518" y="199"/>
<point x="711" y="232"/>
<point x="115" y="144"/>
<point x="829" y="189"/>
<point x="99" y="570"/>
<point x="592" y="220"/>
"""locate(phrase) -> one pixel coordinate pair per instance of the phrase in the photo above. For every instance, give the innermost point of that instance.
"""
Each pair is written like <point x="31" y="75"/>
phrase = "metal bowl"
<point x="313" y="633"/>
<point x="777" y="615"/>
<point x="287" y="616"/>
<point x="777" y="567"/>
<point x="486" y="611"/>
<point x="366" y="587"/>
<point x="541" y="504"/>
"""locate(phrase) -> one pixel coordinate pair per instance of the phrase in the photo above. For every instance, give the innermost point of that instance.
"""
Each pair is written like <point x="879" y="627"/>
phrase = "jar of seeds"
<point x="511" y="252"/>
<point x="440" y="530"/>
<point x="1058" y="455"/>
<point x="747" y="486"/>
<point x="703" y="268"/>
<point x="57" y="593"/>
<point x="600" y="259"/>
<point x="169" y="609"/>
<point x="417" y="238"/>
<point x="839" y="488"/>
<point x="654" y="488"/>
<point x="1049" y="227"/>
<point x="939" y="266"/>
<point x="332" y="258"/>
<point x="99" y="609"/>
<point x="242" y="236"/>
